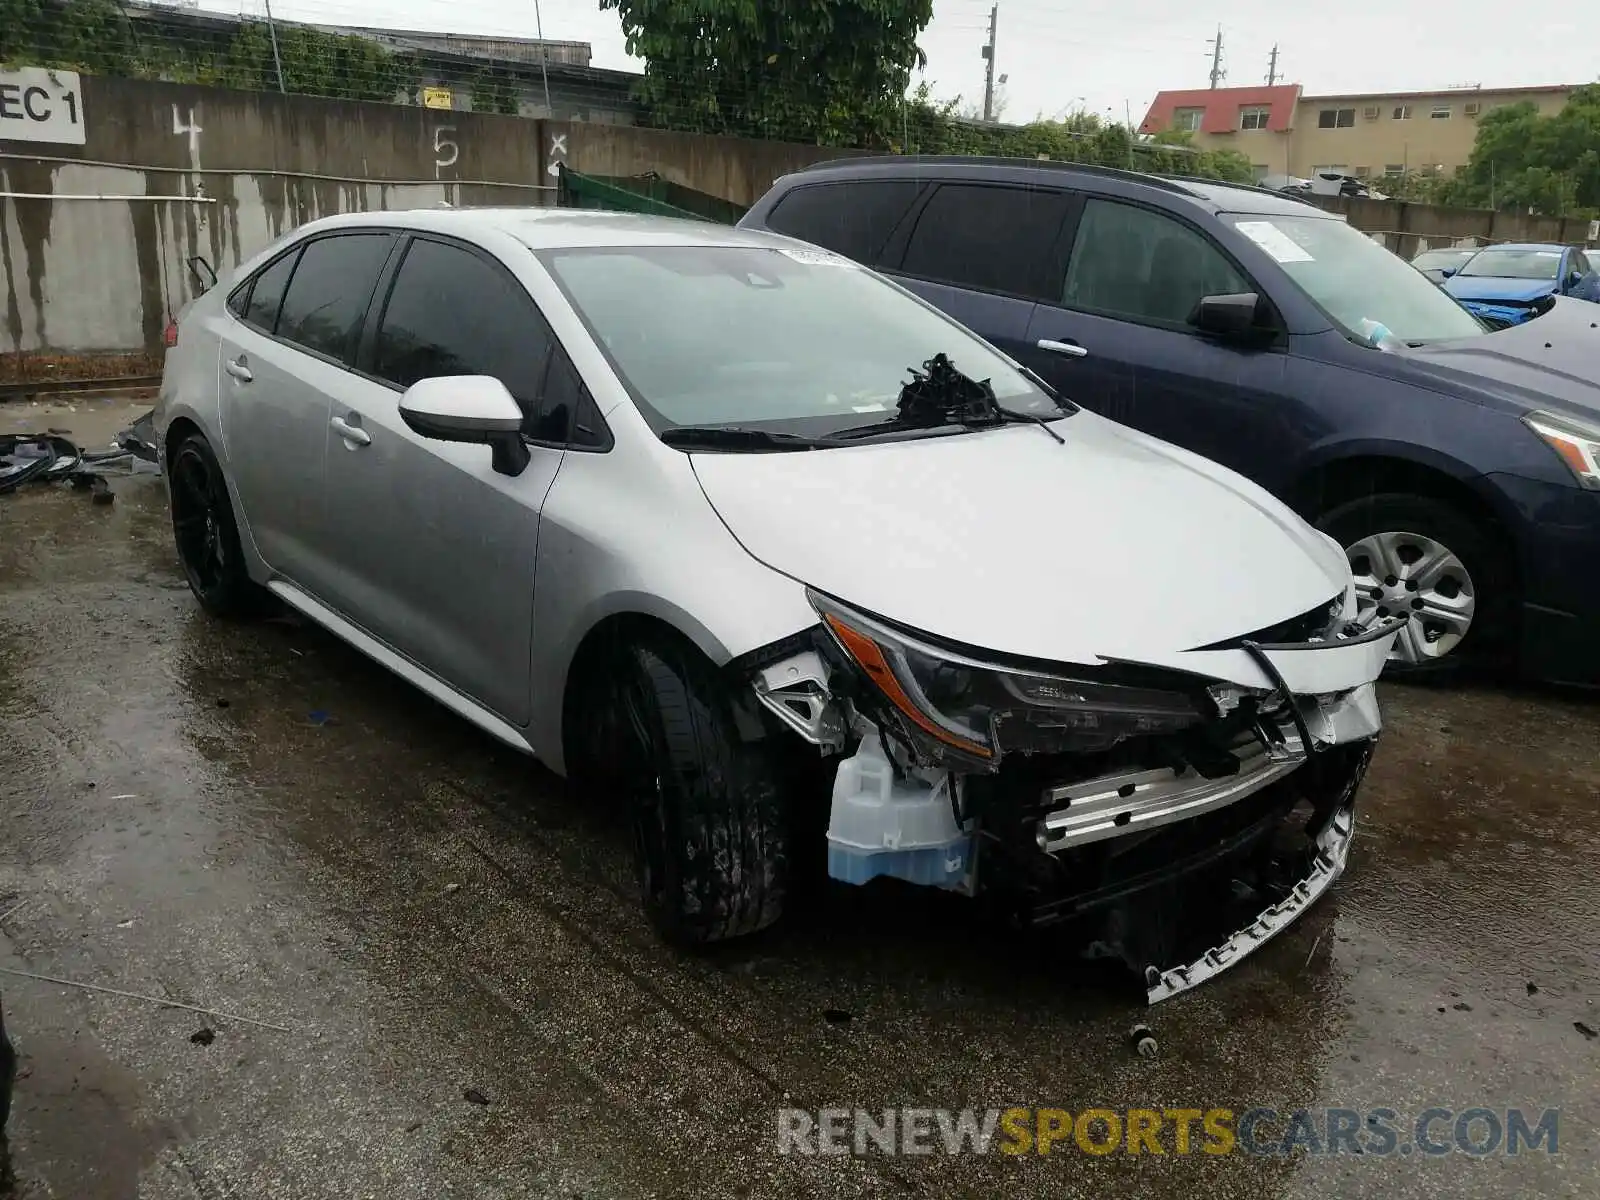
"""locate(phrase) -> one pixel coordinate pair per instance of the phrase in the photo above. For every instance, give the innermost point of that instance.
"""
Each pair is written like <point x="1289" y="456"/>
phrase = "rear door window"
<point x="258" y="305"/>
<point x="854" y="219"/>
<point x="330" y="290"/>
<point x="451" y="312"/>
<point x="1141" y="265"/>
<point x="993" y="238"/>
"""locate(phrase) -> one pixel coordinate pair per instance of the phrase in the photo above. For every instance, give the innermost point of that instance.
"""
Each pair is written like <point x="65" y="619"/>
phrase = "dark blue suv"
<point x="1459" y="467"/>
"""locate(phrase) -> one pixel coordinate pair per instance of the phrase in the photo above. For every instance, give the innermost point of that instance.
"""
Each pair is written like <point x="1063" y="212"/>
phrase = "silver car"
<point x="734" y="532"/>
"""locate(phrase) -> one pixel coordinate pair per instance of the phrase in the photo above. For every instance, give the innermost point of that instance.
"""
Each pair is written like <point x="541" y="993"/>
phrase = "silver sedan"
<point x="749" y="539"/>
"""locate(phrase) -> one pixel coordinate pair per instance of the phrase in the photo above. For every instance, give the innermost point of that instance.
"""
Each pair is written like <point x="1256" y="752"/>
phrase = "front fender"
<point x="608" y="548"/>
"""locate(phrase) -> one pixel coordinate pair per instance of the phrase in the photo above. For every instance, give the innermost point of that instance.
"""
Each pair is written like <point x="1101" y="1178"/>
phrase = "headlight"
<point x="980" y="709"/>
<point x="1577" y="443"/>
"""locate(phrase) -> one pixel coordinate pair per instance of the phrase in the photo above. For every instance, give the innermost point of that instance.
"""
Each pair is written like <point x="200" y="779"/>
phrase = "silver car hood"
<point x="1114" y="545"/>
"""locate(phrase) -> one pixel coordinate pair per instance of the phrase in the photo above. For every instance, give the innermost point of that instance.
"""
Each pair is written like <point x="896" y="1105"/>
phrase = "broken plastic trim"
<point x="1332" y="854"/>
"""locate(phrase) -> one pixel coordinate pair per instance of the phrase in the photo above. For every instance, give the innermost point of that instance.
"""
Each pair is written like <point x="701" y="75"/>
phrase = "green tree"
<point x="493" y="92"/>
<point x="1523" y="160"/>
<point x="317" y="64"/>
<point x="827" y="71"/>
<point x="79" y="35"/>
<point x="20" y="24"/>
<point x="927" y="126"/>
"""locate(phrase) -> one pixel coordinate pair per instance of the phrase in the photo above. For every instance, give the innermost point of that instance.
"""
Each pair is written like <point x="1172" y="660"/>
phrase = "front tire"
<point x="206" y="533"/>
<point x="707" y="806"/>
<point x="1423" y="556"/>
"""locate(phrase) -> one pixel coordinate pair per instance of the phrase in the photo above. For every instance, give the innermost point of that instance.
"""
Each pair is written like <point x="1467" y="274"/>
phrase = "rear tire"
<point x="206" y="534"/>
<point x="1418" y="554"/>
<point x="709" y="812"/>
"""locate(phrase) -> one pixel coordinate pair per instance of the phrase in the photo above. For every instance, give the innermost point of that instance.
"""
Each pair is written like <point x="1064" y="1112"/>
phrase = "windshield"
<point x="1515" y="264"/>
<point x="794" y="340"/>
<point x="1441" y="260"/>
<point x="1358" y="283"/>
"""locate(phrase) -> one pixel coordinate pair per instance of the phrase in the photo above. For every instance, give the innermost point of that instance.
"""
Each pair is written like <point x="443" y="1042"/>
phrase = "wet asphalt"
<point x="439" y="984"/>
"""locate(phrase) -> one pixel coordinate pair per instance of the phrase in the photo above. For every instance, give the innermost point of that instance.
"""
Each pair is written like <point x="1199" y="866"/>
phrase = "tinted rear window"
<point x="998" y="239"/>
<point x="854" y="219"/>
<point x="327" y="298"/>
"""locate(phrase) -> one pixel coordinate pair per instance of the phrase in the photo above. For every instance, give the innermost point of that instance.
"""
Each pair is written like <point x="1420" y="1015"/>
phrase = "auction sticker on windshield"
<point x="1274" y="241"/>
<point x="816" y="258"/>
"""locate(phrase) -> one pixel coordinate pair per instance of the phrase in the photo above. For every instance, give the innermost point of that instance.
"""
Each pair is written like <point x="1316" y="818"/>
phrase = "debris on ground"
<point x="203" y="1037"/>
<point x="475" y="1096"/>
<point x="139" y="439"/>
<point x="157" y="1000"/>
<point x="320" y="717"/>
<point x="836" y="1016"/>
<point x="1143" y="1040"/>
<point x="1585" y="1030"/>
<point x="53" y="458"/>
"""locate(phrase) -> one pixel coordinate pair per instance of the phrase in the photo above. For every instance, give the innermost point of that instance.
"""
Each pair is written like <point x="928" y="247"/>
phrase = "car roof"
<point x="557" y="228"/>
<point x="1210" y="194"/>
<point x="1526" y="246"/>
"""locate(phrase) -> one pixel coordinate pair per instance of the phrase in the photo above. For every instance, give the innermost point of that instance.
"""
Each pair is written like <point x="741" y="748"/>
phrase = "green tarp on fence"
<point x="643" y="194"/>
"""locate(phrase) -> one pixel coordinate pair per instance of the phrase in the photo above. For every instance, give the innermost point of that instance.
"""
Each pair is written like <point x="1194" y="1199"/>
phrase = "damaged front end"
<point x="1154" y="806"/>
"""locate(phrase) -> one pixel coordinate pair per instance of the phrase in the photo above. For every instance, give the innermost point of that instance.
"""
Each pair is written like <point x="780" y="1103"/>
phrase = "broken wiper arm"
<point x="736" y="437"/>
<point x="941" y="394"/>
<point x="1043" y="422"/>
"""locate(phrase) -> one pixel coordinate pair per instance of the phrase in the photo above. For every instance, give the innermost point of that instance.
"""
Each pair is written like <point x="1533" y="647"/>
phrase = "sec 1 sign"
<point x="41" y="105"/>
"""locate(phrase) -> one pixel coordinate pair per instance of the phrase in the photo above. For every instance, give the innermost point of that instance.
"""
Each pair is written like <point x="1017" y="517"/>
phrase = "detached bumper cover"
<point x="1333" y="850"/>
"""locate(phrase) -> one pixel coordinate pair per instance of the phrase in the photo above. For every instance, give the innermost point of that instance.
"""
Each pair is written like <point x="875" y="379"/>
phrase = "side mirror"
<point x="468" y="408"/>
<point x="1447" y="272"/>
<point x="203" y="273"/>
<point x="1231" y="316"/>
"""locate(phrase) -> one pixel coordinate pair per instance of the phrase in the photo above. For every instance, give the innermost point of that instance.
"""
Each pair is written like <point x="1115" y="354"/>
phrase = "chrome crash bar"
<point x="1114" y="805"/>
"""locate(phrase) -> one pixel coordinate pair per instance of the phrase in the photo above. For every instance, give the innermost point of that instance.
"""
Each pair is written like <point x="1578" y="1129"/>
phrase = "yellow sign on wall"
<point x="437" y="97"/>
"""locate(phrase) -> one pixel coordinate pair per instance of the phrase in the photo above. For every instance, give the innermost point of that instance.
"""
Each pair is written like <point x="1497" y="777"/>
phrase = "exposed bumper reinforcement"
<point x="1132" y="801"/>
<point x="1332" y="852"/>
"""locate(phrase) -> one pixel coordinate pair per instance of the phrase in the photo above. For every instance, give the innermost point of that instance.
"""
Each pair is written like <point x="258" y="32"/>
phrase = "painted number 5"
<point x="445" y="150"/>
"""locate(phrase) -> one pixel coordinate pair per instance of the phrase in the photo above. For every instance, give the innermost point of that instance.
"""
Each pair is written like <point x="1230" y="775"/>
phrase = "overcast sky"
<point x="1113" y="61"/>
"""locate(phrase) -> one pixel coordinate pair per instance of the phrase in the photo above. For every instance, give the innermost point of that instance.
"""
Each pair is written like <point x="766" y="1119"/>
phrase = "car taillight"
<point x="170" y="337"/>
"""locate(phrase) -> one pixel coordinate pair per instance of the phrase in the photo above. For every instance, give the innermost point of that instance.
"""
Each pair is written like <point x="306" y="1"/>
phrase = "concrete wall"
<point x="1405" y="228"/>
<point x="219" y="174"/>
<point x="94" y="240"/>
<point x="203" y="171"/>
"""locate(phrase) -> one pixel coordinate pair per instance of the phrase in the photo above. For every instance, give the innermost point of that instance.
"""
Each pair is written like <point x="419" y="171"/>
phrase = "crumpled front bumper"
<point x="1326" y="862"/>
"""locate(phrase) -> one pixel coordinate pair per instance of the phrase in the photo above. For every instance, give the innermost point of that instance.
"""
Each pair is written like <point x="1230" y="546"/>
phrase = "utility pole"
<point x="1272" y="67"/>
<point x="544" y="71"/>
<point x="988" y="75"/>
<point x="272" y="30"/>
<point x="1217" y="72"/>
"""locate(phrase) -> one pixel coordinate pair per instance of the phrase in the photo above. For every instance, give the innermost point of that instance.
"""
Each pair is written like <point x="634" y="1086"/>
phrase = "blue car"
<point x="1507" y="284"/>
<point x="1458" y="467"/>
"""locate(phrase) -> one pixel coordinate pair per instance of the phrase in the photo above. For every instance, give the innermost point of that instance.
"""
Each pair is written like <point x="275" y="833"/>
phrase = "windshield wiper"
<point x="737" y="437"/>
<point x="939" y="395"/>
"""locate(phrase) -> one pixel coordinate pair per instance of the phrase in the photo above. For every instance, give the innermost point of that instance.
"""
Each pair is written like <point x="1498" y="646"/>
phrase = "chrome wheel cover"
<point x="1406" y="572"/>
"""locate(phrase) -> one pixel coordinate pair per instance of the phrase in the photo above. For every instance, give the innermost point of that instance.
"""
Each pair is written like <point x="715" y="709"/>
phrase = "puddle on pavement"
<point x="430" y="913"/>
